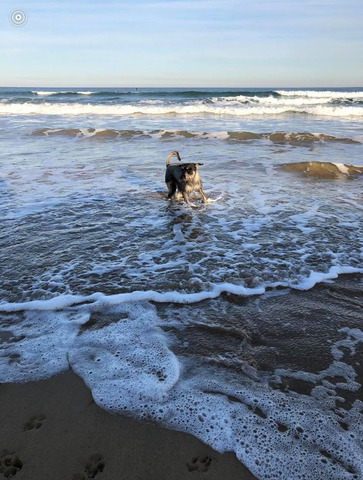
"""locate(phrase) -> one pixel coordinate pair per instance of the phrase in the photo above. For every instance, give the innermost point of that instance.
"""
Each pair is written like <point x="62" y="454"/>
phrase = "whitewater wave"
<point x="320" y="94"/>
<point x="191" y="109"/>
<point x="46" y="93"/>
<point x="273" y="100"/>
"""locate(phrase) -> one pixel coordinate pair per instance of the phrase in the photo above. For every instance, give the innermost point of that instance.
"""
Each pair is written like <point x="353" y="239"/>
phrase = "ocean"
<point x="211" y="319"/>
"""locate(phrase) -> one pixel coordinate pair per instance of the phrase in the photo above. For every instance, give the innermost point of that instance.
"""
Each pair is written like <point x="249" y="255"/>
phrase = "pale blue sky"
<point x="231" y="43"/>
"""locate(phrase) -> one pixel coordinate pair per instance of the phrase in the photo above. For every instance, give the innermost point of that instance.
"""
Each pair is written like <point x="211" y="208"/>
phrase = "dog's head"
<point x="190" y="168"/>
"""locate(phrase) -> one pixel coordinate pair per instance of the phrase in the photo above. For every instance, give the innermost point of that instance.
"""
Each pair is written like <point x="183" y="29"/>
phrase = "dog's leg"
<point x="171" y="188"/>
<point x="205" y="200"/>
<point x="186" y="198"/>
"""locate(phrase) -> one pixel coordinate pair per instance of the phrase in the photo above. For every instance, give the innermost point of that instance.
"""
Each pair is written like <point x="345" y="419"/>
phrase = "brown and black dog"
<point x="183" y="176"/>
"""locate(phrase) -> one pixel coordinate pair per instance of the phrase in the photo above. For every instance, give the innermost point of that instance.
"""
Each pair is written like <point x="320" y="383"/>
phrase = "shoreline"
<point x="53" y="430"/>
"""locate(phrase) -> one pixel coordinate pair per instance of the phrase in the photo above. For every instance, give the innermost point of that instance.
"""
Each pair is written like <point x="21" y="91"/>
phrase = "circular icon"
<point x="18" y="18"/>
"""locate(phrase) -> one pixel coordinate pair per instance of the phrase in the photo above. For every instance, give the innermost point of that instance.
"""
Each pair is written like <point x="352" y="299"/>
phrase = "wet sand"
<point x="53" y="430"/>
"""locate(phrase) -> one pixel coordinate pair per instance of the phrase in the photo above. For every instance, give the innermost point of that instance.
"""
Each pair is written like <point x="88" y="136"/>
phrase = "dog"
<point x="183" y="176"/>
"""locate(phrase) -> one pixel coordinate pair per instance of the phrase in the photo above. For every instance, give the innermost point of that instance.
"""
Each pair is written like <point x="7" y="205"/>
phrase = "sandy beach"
<point x="53" y="430"/>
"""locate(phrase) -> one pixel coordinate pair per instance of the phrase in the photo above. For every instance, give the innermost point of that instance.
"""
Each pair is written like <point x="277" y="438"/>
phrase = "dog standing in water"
<point x="183" y="176"/>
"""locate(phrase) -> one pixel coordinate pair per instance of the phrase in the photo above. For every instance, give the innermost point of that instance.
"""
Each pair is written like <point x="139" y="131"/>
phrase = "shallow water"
<point x="101" y="273"/>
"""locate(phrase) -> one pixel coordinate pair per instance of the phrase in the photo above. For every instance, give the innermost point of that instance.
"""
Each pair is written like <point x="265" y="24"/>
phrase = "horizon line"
<point x="180" y="87"/>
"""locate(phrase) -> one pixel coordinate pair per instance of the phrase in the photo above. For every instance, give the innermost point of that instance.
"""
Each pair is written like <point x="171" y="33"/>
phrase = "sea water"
<point x="101" y="273"/>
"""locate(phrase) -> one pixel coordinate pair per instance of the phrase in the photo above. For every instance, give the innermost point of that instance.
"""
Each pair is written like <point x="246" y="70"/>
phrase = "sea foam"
<point x="64" y="301"/>
<point x="127" y="363"/>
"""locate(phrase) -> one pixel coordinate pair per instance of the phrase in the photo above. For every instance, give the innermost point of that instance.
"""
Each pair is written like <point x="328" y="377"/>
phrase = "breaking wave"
<point x="322" y="169"/>
<point x="147" y="101"/>
<point x="45" y="93"/>
<point x="220" y="107"/>
<point x="193" y="92"/>
<point x="289" y="138"/>
<point x="331" y="94"/>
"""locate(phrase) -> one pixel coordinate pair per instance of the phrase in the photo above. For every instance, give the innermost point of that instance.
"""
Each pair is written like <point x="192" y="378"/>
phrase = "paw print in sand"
<point x="34" y="423"/>
<point x="10" y="464"/>
<point x="94" y="465"/>
<point x="199" y="464"/>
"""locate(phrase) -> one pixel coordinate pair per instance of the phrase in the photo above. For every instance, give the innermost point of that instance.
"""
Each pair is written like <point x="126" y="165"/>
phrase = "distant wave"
<point x="189" y="93"/>
<point x="45" y="93"/>
<point x="322" y="169"/>
<point x="290" y="138"/>
<point x="272" y="100"/>
<point x="196" y="108"/>
<point x="217" y="102"/>
<point x="320" y="94"/>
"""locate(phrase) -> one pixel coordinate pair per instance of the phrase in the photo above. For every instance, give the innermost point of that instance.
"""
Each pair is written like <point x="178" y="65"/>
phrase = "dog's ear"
<point x="199" y="164"/>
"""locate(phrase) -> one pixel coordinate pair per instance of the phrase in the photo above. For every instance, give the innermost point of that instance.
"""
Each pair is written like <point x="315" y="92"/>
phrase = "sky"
<point x="183" y="43"/>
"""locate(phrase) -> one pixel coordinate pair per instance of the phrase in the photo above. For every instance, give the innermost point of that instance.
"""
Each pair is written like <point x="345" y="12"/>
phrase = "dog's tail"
<point x="171" y="154"/>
